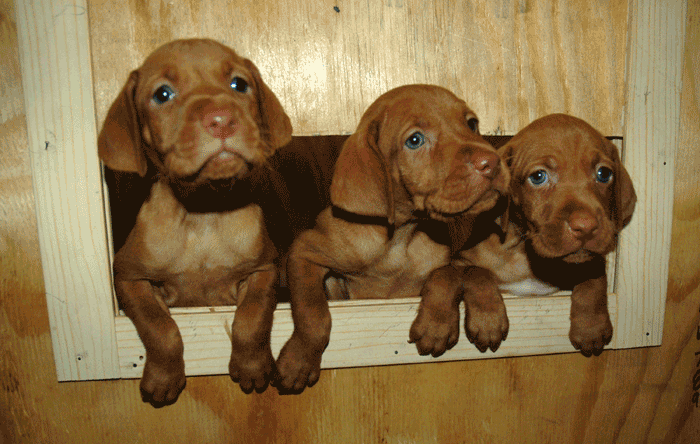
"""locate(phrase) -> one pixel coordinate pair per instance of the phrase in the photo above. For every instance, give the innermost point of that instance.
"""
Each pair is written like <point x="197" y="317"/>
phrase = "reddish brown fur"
<point x="199" y="237"/>
<point x="386" y="230"/>
<point x="561" y="230"/>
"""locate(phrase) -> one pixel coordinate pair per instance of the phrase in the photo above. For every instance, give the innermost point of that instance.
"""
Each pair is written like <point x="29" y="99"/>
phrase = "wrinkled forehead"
<point x="191" y="58"/>
<point x="430" y="110"/>
<point x="561" y="145"/>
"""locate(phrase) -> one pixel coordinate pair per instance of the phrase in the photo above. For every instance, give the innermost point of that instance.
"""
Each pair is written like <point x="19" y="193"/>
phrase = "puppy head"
<point x="198" y="111"/>
<point x="418" y="149"/>
<point x="570" y="192"/>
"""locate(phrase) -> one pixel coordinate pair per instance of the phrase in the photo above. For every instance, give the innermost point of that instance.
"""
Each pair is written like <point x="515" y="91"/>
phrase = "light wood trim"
<point x="364" y="333"/>
<point x="90" y="343"/>
<point x="59" y="105"/>
<point x="656" y="33"/>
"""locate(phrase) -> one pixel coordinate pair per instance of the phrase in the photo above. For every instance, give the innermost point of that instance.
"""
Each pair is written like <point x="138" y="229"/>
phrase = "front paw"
<point x="298" y="366"/>
<point x="435" y="331"/>
<point x="486" y="327"/>
<point x="162" y="382"/>
<point x="252" y="369"/>
<point x="590" y="334"/>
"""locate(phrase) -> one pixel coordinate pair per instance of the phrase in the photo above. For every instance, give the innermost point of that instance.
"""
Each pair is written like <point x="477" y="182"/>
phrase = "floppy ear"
<point x="119" y="143"/>
<point x="506" y="153"/>
<point x="277" y="128"/>
<point x="513" y="213"/>
<point x="361" y="181"/>
<point x="625" y="196"/>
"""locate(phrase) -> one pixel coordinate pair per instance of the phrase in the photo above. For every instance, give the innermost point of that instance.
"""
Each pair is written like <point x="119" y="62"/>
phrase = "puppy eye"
<point x="415" y="141"/>
<point x="538" y="178"/>
<point x="163" y="94"/>
<point x="239" y="84"/>
<point x="604" y="174"/>
<point x="473" y="124"/>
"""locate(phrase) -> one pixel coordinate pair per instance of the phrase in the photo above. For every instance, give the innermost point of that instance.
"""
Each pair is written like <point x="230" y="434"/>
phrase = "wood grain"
<point x="88" y="317"/>
<point x="57" y="80"/>
<point x="364" y="333"/>
<point x="511" y="60"/>
<point x="625" y="396"/>
<point x="656" y="37"/>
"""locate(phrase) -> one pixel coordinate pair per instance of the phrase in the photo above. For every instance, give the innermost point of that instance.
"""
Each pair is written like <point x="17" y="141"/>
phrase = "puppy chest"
<point x="214" y="258"/>
<point x="401" y="271"/>
<point x="213" y="241"/>
<point x="507" y="261"/>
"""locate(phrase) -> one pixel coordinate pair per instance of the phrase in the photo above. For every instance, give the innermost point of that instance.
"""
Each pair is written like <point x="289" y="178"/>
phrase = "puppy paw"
<point x="590" y="334"/>
<point x="162" y="382"/>
<point x="486" y="328"/>
<point x="298" y="366"/>
<point x="252" y="371"/>
<point x="435" y="331"/>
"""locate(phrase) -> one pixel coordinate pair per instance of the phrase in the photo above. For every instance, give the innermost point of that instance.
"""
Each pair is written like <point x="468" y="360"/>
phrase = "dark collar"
<point x="214" y="196"/>
<point x="363" y="219"/>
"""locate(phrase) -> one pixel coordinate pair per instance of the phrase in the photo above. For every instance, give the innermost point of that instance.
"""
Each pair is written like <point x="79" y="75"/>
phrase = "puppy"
<point x="198" y="123"/>
<point x="415" y="161"/>
<point x="571" y="196"/>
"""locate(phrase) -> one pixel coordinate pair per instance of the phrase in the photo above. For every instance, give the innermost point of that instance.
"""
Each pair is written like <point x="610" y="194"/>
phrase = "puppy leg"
<point x="591" y="328"/>
<point x="486" y="322"/>
<point x="436" y="327"/>
<point x="252" y="362"/>
<point x="299" y="363"/>
<point x="164" y="373"/>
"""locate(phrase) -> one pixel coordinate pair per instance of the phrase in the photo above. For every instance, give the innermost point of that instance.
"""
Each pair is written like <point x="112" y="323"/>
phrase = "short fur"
<point x="386" y="230"/>
<point x="198" y="236"/>
<point x="559" y="230"/>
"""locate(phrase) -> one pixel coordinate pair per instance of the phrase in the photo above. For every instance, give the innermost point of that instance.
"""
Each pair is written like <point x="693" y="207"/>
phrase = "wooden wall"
<point x="643" y="395"/>
<point x="511" y="60"/>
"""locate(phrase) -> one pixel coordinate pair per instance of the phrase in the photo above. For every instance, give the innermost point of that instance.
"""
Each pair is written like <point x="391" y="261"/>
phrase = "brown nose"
<point x="485" y="163"/>
<point x="219" y="123"/>
<point x="582" y="223"/>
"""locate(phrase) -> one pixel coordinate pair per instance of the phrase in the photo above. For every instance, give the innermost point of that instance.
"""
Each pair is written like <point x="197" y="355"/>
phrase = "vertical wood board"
<point x="652" y="118"/>
<point x="59" y="105"/>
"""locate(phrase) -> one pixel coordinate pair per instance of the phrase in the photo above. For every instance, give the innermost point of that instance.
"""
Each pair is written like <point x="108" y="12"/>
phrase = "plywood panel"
<point x="71" y="309"/>
<point x="623" y="396"/>
<point x="511" y="60"/>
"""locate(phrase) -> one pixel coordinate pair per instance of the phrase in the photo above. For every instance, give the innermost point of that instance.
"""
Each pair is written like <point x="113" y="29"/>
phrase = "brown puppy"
<point x="199" y="121"/>
<point x="571" y="196"/>
<point x="415" y="161"/>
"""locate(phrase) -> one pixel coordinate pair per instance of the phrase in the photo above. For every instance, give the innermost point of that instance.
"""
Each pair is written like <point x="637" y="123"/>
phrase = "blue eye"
<point x="163" y="94"/>
<point x="415" y="141"/>
<point x="538" y="178"/>
<point x="604" y="174"/>
<point x="239" y="84"/>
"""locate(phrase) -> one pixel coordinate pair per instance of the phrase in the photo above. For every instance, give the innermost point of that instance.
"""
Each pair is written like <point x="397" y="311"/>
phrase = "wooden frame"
<point x="90" y="342"/>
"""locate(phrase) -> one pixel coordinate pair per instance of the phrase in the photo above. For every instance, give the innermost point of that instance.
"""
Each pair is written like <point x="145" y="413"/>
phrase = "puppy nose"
<point x="219" y="123"/>
<point x="485" y="163"/>
<point x="582" y="223"/>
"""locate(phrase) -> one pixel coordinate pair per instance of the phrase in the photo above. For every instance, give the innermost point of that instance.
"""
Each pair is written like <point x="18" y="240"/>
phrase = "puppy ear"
<point x="361" y="181"/>
<point x="625" y="196"/>
<point x="506" y="152"/>
<point x="119" y="143"/>
<point x="276" y="126"/>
